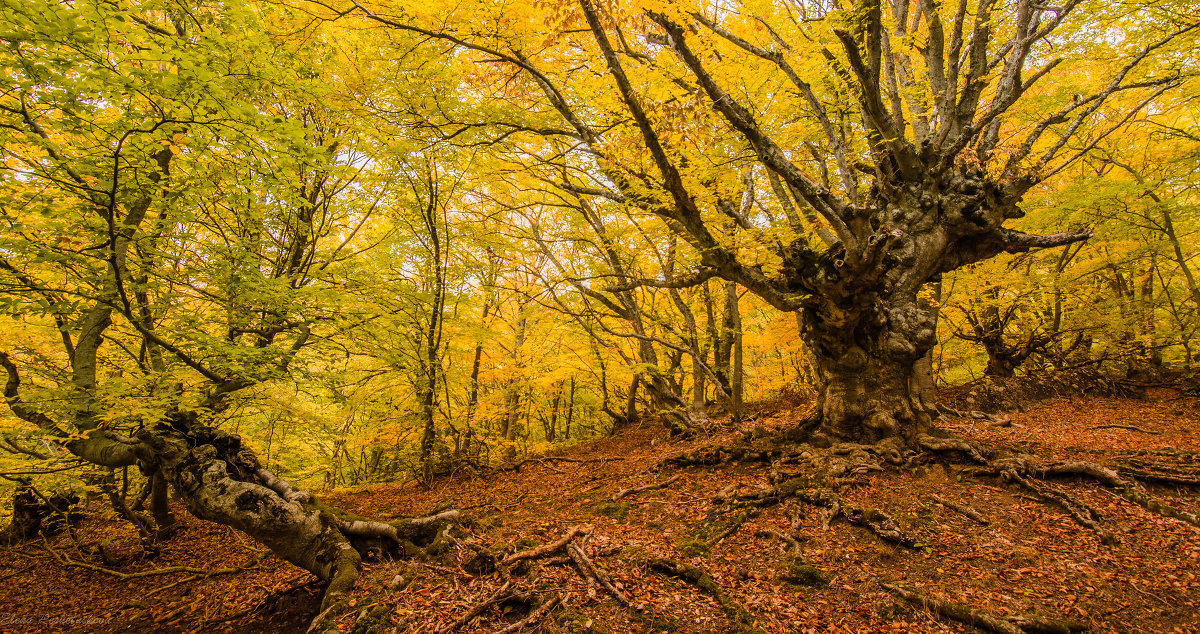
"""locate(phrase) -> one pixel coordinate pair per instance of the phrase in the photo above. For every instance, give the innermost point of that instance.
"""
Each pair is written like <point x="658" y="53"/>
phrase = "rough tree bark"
<point x="221" y="480"/>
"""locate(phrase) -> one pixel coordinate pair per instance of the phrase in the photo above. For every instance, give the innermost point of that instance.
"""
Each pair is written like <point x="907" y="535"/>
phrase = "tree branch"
<point x="12" y="395"/>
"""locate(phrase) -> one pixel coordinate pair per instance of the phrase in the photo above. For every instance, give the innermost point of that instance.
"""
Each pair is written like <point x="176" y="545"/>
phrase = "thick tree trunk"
<point x="999" y="365"/>
<point x="220" y="480"/>
<point x="870" y="365"/>
<point x="297" y="530"/>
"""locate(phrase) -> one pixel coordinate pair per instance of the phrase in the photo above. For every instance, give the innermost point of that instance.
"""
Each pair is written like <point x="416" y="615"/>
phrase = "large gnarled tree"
<point x="898" y="140"/>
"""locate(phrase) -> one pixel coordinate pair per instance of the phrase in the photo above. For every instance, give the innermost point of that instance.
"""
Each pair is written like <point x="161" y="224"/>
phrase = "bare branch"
<point x="768" y="152"/>
<point x="818" y="109"/>
<point x="12" y="394"/>
<point x="977" y="248"/>
<point x="688" y="281"/>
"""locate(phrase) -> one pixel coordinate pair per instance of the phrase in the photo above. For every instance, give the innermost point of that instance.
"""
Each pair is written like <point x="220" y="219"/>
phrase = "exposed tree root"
<point x="731" y="528"/>
<point x="790" y="542"/>
<point x="1043" y="626"/>
<point x="545" y="460"/>
<point x="1127" y="428"/>
<point x="546" y="550"/>
<point x="649" y="487"/>
<point x="719" y="454"/>
<point x="983" y="620"/>
<point x="1083" y="514"/>
<point x="956" y="612"/>
<point x="738" y="616"/>
<point x="1019" y="469"/>
<point x="949" y="445"/>
<point x="946" y="410"/>
<point x="820" y="472"/>
<point x="1162" y="478"/>
<point x="1128" y="489"/>
<point x="963" y="509"/>
<point x="1179" y="473"/>
<point x="811" y="491"/>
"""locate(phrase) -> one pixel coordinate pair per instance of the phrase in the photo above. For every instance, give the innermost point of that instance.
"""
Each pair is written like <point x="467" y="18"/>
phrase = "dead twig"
<point x="67" y="561"/>
<point x="213" y="573"/>
<point x="1148" y="594"/>
<point x="1128" y="428"/>
<point x="479" y="608"/>
<point x="546" y="549"/>
<point x="16" y="572"/>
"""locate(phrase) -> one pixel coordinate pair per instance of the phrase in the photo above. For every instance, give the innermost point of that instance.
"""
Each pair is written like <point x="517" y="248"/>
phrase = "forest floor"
<point x="1028" y="559"/>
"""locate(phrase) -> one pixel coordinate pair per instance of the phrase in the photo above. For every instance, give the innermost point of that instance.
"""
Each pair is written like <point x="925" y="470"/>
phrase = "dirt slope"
<point x="1028" y="559"/>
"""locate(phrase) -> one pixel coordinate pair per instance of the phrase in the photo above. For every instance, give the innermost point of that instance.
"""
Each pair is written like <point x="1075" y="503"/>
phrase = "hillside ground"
<point x="1028" y="559"/>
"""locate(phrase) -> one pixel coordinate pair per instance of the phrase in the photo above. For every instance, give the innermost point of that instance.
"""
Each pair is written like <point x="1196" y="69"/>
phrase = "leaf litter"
<point x="1029" y="560"/>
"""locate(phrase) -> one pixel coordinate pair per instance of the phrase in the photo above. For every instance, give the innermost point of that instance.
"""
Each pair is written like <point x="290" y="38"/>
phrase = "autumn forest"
<point x="593" y="316"/>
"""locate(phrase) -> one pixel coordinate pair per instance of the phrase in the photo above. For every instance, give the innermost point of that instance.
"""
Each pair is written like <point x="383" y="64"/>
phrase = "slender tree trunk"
<point x="552" y="428"/>
<point x="513" y="398"/>
<point x="1147" y="326"/>
<point x="473" y="397"/>
<point x="737" y="405"/>
<point x="570" y="411"/>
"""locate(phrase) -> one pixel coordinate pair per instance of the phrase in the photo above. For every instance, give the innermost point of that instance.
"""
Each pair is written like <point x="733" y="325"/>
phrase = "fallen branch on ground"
<point x="734" y="611"/>
<point x="537" y="615"/>
<point x="649" y="487"/>
<point x="211" y="573"/>
<point x="67" y="561"/>
<point x="546" y="549"/>
<point x="587" y="569"/>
